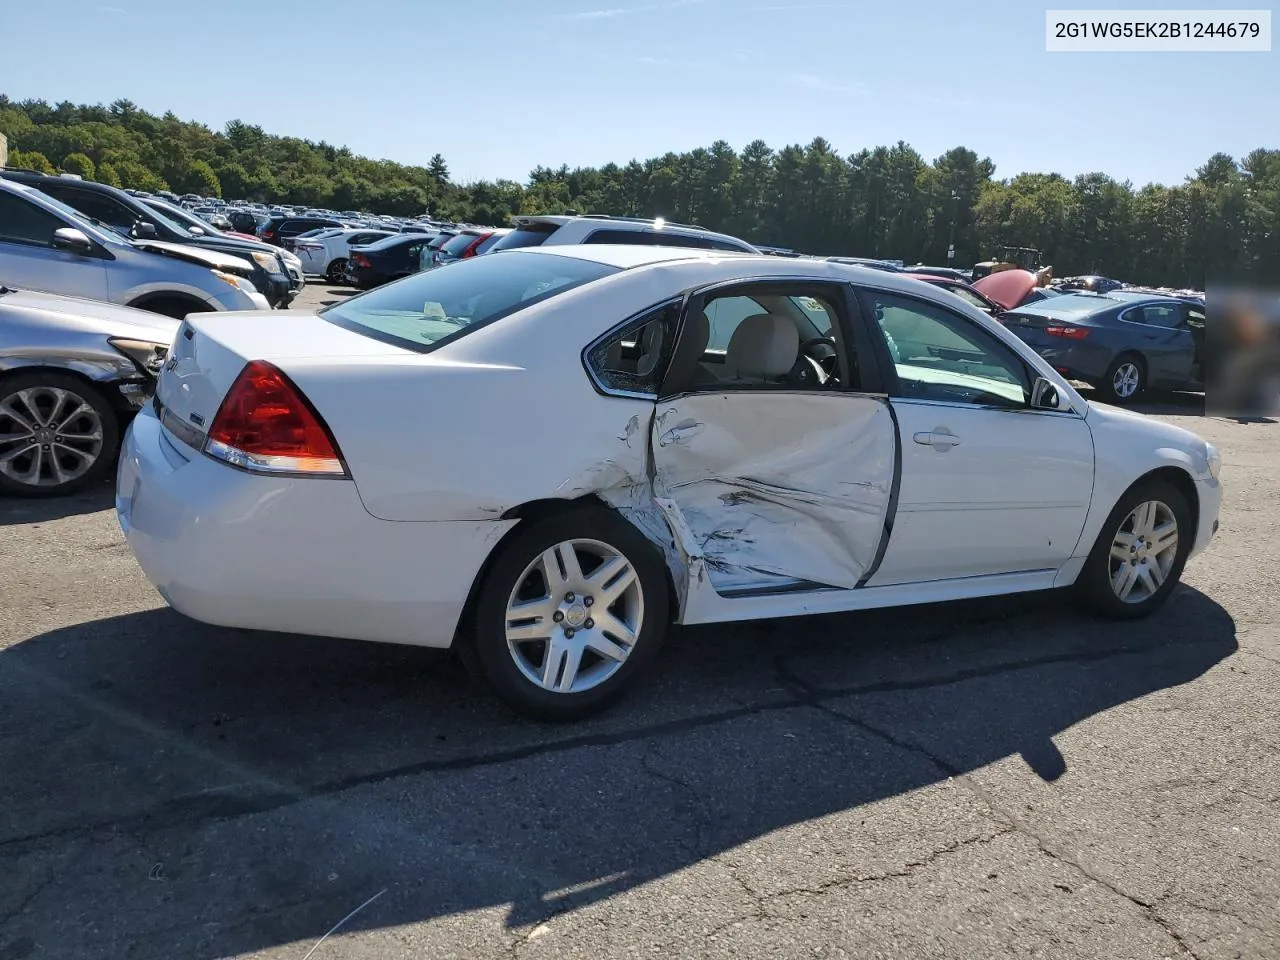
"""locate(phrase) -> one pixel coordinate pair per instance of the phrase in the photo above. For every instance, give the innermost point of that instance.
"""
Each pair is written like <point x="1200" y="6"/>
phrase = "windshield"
<point x="426" y="310"/>
<point x="177" y="219"/>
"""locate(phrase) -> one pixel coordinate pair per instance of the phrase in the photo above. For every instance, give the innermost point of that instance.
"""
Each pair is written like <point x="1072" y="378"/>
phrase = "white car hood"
<point x="208" y="258"/>
<point x="1121" y="421"/>
<point x="47" y="309"/>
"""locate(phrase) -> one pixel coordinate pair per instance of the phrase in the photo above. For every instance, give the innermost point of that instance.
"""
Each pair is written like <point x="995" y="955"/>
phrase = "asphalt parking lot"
<point x="1006" y="778"/>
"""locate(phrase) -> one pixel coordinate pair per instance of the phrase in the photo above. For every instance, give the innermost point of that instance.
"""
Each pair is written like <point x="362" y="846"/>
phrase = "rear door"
<point x="1160" y="331"/>
<point x="989" y="485"/>
<point x="780" y="478"/>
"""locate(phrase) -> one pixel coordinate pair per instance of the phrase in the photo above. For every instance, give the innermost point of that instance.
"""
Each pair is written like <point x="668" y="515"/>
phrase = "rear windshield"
<point x="458" y="245"/>
<point x="426" y="310"/>
<point x="527" y="235"/>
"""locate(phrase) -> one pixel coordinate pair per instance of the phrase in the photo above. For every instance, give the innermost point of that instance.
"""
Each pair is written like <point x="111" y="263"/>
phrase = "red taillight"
<point x="1068" y="333"/>
<point x="360" y="260"/>
<point x="268" y="234"/>
<point x="266" y="425"/>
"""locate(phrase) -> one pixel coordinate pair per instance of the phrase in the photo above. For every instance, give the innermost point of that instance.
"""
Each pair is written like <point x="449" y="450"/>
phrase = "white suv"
<point x="596" y="228"/>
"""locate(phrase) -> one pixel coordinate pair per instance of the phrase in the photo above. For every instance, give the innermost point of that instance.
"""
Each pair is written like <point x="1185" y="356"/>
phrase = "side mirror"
<point x="69" y="238"/>
<point x="196" y="231"/>
<point x="144" y="231"/>
<point x="1045" y="395"/>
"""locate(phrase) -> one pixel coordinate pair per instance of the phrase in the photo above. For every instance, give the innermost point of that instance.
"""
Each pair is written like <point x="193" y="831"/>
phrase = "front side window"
<point x="435" y="307"/>
<point x="634" y="359"/>
<point x="941" y="356"/>
<point x="25" y="222"/>
<point x="97" y="207"/>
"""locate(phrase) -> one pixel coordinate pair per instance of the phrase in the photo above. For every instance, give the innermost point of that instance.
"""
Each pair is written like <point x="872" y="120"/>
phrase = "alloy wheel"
<point x="574" y="616"/>
<point x="1126" y="380"/>
<point x="49" y="436"/>
<point x="1143" y="551"/>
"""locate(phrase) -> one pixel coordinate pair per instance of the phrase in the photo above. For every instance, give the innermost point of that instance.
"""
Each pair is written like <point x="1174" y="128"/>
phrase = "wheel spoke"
<point x="1153" y="575"/>
<point x="606" y="647"/>
<point x="1144" y="519"/>
<point x="1146" y="573"/>
<point x="84" y="410"/>
<point x="560" y="664"/>
<point x="1123" y="580"/>
<point x="530" y="620"/>
<point x="611" y="626"/>
<point x="11" y="455"/>
<point x="7" y="438"/>
<point x="611" y="580"/>
<point x="569" y="563"/>
<point x="59" y="474"/>
<point x="1122" y="545"/>
<point x="7" y="409"/>
<point x="1164" y="537"/>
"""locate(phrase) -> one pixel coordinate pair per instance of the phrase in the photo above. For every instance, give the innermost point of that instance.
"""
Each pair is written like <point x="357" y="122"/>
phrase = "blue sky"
<point x="500" y="86"/>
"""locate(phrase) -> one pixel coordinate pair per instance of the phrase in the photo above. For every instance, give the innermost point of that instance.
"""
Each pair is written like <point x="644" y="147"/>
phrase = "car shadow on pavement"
<point x="175" y="789"/>
<point x="18" y="510"/>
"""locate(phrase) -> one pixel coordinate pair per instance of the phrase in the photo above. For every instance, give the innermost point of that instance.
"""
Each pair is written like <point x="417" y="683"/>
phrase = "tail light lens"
<point x="360" y="260"/>
<point x="1068" y="333"/>
<point x="266" y="425"/>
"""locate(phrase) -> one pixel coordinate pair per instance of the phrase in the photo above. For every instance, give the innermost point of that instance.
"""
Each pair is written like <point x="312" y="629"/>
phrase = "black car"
<point x="389" y="259"/>
<point x="1119" y="343"/>
<point x="133" y="217"/>
<point x="243" y="221"/>
<point x="282" y="230"/>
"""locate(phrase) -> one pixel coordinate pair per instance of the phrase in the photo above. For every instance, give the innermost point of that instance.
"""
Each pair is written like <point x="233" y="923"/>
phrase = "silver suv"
<point x="47" y="246"/>
<point x="596" y="228"/>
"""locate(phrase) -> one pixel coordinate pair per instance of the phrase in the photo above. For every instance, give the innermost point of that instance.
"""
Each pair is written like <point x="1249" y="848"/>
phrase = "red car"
<point x="961" y="290"/>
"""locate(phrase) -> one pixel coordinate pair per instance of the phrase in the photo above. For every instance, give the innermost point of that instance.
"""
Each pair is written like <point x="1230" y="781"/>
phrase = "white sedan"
<point x="324" y="252"/>
<point x="542" y="458"/>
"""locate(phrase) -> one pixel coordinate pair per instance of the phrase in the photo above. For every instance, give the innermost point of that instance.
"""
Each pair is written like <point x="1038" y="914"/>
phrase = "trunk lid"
<point x="210" y="350"/>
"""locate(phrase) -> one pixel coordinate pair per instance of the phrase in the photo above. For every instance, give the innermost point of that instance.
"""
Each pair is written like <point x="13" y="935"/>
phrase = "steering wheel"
<point x="827" y="364"/>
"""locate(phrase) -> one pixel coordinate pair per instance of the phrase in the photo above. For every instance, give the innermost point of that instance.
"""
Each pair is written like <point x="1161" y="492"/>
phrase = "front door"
<point x="768" y="459"/>
<point x="989" y="485"/>
<point x="29" y="260"/>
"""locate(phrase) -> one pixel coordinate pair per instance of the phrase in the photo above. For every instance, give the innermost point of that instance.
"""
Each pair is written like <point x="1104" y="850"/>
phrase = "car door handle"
<point x="939" y="439"/>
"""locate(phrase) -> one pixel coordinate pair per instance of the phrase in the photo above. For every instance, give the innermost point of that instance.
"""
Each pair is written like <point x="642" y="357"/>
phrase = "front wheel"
<point x="572" y="610"/>
<point x="1139" y="555"/>
<point x="57" y="434"/>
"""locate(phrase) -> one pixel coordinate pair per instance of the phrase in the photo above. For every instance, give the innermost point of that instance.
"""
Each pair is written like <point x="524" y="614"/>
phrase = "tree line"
<point x="885" y="202"/>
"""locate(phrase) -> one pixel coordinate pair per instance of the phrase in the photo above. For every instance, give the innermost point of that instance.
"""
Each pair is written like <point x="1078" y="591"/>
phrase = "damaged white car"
<point x="543" y="458"/>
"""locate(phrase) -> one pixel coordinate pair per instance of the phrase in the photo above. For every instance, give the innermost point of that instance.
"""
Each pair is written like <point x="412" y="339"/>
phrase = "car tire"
<point x="337" y="272"/>
<point x="1125" y="380"/>
<point x="511" y="653"/>
<point x="1126" y="557"/>
<point x="38" y="405"/>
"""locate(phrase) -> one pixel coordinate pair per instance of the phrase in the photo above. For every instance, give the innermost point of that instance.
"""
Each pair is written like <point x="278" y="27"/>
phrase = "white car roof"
<point x="627" y="257"/>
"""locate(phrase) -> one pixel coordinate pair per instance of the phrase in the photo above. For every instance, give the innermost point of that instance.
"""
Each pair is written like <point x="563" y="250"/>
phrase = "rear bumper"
<point x="1074" y="360"/>
<point x="290" y="555"/>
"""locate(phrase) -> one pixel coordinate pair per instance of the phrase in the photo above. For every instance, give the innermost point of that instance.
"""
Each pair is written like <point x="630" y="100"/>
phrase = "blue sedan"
<point x="1120" y="343"/>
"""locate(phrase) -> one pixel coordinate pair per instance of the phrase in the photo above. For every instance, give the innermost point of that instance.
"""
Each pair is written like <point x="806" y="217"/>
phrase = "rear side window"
<point x="527" y="235"/>
<point x="488" y="244"/>
<point x="427" y="310"/>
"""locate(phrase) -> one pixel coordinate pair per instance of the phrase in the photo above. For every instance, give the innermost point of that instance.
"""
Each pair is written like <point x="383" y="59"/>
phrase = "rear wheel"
<point x="57" y="434"/>
<point x="572" y="610"/>
<point x="337" y="272"/>
<point x="1125" y="380"/>
<point x="1139" y="555"/>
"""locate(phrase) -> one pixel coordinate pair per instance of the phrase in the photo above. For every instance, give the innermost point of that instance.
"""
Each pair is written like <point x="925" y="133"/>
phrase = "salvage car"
<point x="387" y="259"/>
<point x="544" y="458"/>
<point x="1119" y="343"/>
<point x="72" y="374"/>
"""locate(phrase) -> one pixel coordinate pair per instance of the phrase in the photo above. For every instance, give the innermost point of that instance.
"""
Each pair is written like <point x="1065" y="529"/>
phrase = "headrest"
<point x="764" y="345"/>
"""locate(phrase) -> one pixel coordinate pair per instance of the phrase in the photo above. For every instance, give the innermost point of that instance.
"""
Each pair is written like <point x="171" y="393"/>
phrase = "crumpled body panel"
<point x="776" y="489"/>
